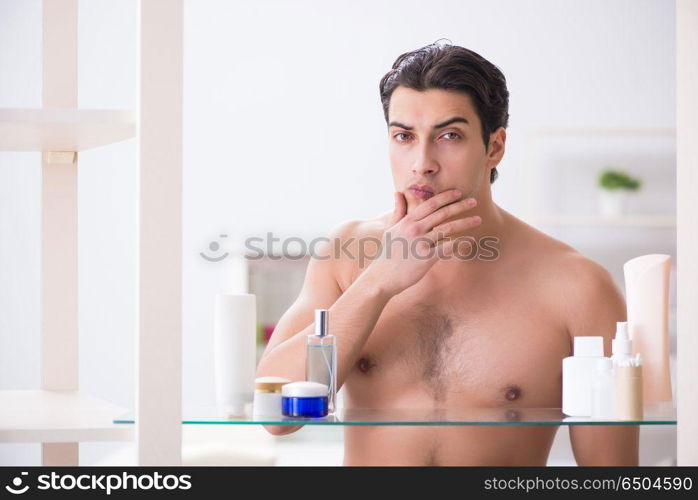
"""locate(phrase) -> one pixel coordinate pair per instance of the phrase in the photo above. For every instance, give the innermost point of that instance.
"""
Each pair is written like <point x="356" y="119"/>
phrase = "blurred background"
<point x="284" y="133"/>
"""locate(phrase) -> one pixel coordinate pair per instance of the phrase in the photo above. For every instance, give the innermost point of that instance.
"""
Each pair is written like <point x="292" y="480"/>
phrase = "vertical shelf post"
<point x="59" y="214"/>
<point x="159" y="344"/>
<point x="687" y="236"/>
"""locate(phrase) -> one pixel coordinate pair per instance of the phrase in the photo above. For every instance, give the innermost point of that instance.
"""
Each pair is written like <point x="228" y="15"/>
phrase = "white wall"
<point x="288" y="91"/>
<point x="284" y="132"/>
<point x="20" y="177"/>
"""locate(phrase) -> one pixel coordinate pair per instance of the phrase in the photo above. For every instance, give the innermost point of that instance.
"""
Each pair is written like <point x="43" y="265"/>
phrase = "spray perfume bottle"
<point x="321" y="362"/>
<point x="622" y="346"/>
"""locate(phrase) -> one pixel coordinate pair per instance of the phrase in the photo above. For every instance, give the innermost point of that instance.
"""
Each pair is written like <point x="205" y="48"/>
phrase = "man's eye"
<point x="399" y="134"/>
<point x="457" y="136"/>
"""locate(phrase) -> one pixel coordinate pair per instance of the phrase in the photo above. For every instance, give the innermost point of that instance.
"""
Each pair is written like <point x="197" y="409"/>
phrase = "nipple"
<point x="512" y="393"/>
<point x="364" y="365"/>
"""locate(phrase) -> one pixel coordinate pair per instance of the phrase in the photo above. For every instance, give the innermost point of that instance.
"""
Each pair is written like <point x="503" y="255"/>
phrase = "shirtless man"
<point x="432" y="328"/>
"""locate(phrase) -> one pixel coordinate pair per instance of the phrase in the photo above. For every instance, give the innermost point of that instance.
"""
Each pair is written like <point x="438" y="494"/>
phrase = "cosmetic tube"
<point x="629" y="399"/>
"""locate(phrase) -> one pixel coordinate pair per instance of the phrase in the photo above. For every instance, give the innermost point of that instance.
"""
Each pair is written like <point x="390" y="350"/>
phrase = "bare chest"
<point x="497" y="347"/>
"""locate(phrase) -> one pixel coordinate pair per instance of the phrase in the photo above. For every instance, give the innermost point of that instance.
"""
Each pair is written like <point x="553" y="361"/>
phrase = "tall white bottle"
<point x="577" y="373"/>
<point x="647" y="298"/>
<point x="235" y="351"/>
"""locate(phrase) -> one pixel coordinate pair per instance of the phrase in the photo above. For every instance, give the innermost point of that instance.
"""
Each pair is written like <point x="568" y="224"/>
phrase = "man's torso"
<point x="493" y="338"/>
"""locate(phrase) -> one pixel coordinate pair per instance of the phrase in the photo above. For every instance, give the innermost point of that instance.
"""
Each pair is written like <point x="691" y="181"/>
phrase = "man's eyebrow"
<point x="455" y="119"/>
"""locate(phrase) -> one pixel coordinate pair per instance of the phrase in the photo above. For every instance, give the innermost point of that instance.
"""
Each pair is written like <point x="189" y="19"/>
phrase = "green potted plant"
<point x="615" y="186"/>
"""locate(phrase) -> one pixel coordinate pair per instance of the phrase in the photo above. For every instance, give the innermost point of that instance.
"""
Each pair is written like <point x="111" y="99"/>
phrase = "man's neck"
<point x="493" y="220"/>
<point x="489" y="237"/>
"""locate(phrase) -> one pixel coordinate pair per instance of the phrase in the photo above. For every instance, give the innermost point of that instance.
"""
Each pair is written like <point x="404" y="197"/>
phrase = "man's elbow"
<point x="281" y="430"/>
<point x="606" y="445"/>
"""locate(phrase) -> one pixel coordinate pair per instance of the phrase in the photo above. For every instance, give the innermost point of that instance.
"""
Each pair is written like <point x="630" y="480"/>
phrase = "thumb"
<point x="400" y="207"/>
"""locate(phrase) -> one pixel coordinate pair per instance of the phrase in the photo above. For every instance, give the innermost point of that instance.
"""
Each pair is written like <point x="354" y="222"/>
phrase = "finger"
<point x="444" y="248"/>
<point x="444" y="214"/>
<point x="435" y="202"/>
<point x="400" y="207"/>
<point x="451" y="228"/>
<point x="448" y="247"/>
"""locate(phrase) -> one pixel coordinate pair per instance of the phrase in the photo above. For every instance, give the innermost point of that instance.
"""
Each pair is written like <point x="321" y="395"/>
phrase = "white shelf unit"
<point x="531" y="191"/>
<point x="59" y="131"/>
<point x="59" y="415"/>
<point x="63" y="129"/>
<point x="667" y="221"/>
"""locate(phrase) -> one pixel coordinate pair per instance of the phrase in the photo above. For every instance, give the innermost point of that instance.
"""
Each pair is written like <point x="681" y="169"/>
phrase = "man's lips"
<point x="421" y="192"/>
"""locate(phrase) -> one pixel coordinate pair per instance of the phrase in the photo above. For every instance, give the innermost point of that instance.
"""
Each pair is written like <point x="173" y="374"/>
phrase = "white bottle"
<point x="235" y="324"/>
<point x="621" y="347"/>
<point x="577" y="372"/>
<point x="603" y="394"/>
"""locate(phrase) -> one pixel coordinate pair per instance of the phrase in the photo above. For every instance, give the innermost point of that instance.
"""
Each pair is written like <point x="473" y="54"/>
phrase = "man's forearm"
<point x="352" y="319"/>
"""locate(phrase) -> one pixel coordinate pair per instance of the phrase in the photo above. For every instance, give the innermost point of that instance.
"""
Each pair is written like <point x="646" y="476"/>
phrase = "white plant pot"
<point x="612" y="202"/>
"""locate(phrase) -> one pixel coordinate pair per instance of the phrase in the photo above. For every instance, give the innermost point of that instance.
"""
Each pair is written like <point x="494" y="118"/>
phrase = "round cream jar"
<point x="267" y="396"/>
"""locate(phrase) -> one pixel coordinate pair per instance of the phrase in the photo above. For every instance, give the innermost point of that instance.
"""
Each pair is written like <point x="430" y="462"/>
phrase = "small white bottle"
<point x="321" y="360"/>
<point x="621" y="346"/>
<point x="603" y="394"/>
<point x="577" y="372"/>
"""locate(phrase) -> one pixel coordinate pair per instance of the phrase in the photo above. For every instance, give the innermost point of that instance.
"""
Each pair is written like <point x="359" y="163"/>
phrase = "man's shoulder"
<point x="561" y="258"/>
<point x="355" y="229"/>
<point x="590" y="299"/>
<point x="571" y="274"/>
<point x="351" y="245"/>
<point x="580" y="289"/>
<point x="584" y="274"/>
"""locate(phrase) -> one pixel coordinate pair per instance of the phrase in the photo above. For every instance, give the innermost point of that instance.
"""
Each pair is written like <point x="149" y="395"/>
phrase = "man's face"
<point x="435" y="141"/>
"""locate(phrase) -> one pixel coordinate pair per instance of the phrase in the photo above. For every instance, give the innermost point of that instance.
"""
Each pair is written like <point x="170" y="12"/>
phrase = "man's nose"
<point x="425" y="163"/>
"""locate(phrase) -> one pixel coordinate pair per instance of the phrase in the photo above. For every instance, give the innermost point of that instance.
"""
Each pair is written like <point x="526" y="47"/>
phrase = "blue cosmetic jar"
<point x="304" y="399"/>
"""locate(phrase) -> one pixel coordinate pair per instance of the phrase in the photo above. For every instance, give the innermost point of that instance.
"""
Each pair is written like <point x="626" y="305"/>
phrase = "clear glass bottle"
<point x="321" y="361"/>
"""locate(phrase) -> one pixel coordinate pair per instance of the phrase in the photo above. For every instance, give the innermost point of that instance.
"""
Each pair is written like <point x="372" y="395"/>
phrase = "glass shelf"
<point x="663" y="414"/>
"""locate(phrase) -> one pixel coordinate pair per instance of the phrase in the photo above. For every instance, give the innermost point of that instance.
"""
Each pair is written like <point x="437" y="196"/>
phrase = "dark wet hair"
<point x="450" y="67"/>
